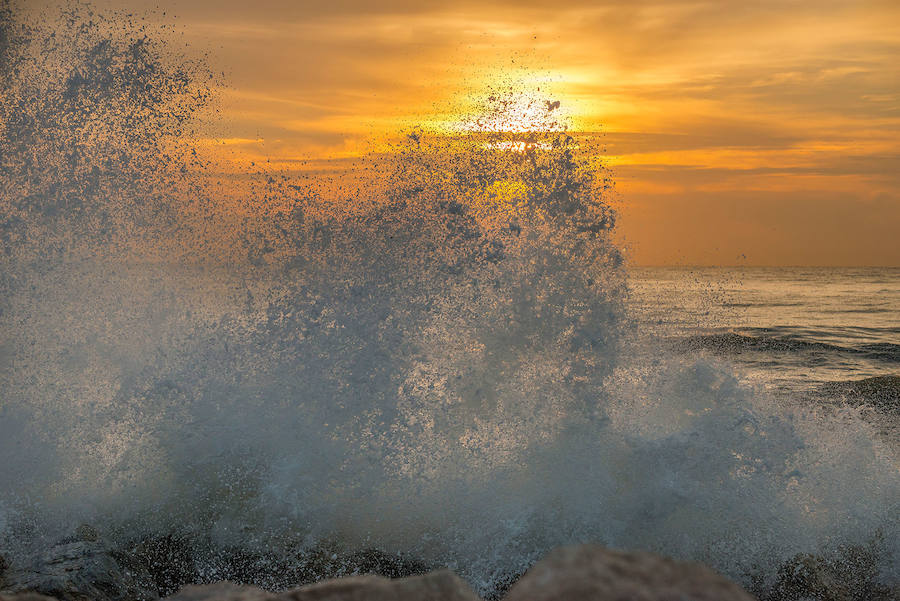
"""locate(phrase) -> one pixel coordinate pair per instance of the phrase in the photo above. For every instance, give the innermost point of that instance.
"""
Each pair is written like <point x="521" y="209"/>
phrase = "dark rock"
<point x="591" y="572"/>
<point x="851" y="574"/>
<point x="174" y="561"/>
<point x="168" y="562"/>
<point x="4" y="565"/>
<point x="24" y="597"/>
<point x="81" y="567"/>
<point x="808" y="576"/>
<point x="501" y="586"/>
<point x="380" y="563"/>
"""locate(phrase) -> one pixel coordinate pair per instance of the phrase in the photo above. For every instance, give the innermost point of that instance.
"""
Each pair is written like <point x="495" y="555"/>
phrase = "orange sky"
<point x="740" y="132"/>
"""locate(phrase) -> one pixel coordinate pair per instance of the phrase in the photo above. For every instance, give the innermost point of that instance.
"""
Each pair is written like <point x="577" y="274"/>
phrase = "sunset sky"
<point x="739" y="132"/>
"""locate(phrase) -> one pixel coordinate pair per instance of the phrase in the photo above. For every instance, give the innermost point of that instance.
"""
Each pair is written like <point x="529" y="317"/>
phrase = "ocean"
<point x="795" y="330"/>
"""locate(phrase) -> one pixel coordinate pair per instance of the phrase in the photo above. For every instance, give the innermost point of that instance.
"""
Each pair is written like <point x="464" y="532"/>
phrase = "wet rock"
<point x="24" y="597"/>
<point x="380" y="563"/>
<point x="4" y="565"/>
<point x="81" y="567"/>
<point x="849" y="575"/>
<point x="808" y="576"/>
<point x="221" y="591"/>
<point x="174" y="561"/>
<point x="442" y="585"/>
<point x="169" y="561"/>
<point x="591" y="572"/>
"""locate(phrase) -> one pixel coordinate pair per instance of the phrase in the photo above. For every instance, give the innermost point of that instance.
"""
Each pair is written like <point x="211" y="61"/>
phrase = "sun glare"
<point x="514" y="113"/>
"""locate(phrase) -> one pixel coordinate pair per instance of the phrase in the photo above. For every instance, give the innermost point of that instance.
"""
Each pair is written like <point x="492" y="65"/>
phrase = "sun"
<point x="514" y="113"/>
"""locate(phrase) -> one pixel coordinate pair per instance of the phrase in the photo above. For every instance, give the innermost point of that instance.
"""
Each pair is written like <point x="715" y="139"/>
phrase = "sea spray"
<point x="428" y="354"/>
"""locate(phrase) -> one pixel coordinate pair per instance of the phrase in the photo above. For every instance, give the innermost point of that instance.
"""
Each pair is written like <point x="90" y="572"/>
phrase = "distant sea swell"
<point x="733" y="342"/>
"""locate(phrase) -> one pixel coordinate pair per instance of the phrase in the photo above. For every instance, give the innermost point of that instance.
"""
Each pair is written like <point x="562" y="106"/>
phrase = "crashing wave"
<point x="423" y="354"/>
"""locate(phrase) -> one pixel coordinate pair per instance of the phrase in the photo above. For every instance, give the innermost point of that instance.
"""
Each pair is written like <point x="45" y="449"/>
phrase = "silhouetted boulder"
<point x="442" y="585"/>
<point x="221" y="591"/>
<point x="594" y="573"/>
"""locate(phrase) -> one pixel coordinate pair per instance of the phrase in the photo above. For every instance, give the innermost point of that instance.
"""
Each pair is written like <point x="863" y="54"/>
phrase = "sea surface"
<point x="793" y="329"/>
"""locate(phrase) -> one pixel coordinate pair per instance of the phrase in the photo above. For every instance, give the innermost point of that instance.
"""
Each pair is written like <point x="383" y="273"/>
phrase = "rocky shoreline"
<point x="85" y="567"/>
